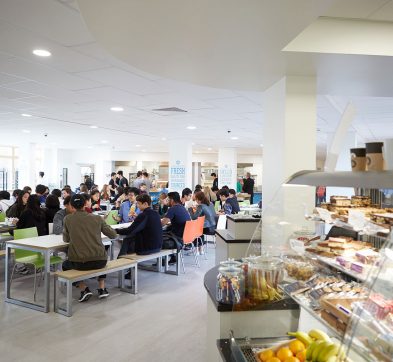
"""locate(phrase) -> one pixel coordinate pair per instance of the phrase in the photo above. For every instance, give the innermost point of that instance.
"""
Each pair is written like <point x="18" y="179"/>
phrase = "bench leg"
<point x="178" y="257"/>
<point x="134" y="279"/>
<point x="69" y="299"/>
<point x="55" y="298"/>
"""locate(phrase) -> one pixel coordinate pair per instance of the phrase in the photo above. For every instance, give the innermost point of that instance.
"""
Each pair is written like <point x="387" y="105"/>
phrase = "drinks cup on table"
<point x="358" y="159"/>
<point x="374" y="156"/>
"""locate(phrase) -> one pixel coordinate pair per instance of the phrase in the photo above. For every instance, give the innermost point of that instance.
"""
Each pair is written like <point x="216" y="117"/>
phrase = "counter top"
<point x="243" y="218"/>
<point x="210" y="281"/>
<point x="228" y="238"/>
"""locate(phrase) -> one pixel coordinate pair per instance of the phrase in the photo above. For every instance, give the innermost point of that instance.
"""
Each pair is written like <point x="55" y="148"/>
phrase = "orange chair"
<point x="189" y="235"/>
<point x="199" y="233"/>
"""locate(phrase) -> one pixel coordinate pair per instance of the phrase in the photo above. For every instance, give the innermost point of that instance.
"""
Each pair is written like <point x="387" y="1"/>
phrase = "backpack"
<point x="171" y="241"/>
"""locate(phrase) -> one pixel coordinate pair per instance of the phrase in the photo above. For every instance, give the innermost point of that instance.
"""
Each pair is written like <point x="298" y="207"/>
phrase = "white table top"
<point x="121" y="226"/>
<point x="46" y="242"/>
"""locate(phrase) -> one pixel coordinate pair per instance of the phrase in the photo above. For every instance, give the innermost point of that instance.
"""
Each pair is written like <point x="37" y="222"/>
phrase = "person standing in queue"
<point x="85" y="252"/>
<point x="215" y="181"/>
<point x="248" y="187"/>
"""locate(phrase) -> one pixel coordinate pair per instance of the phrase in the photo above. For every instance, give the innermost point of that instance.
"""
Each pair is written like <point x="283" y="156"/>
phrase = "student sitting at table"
<point x="58" y="220"/>
<point x="86" y="251"/>
<point x="144" y="236"/>
<point x="233" y="201"/>
<point x="162" y="206"/>
<point x="95" y="200"/>
<point x="52" y="206"/>
<point x="128" y="209"/>
<point x="226" y="206"/>
<point x="19" y="206"/>
<point x="33" y="216"/>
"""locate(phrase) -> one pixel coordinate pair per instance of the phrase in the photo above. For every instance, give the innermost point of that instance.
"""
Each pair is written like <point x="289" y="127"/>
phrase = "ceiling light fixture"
<point x="163" y="139"/>
<point x="25" y="115"/>
<point x="42" y="52"/>
<point x="93" y="127"/>
<point x="209" y="149"/>
<point x="89" y="147"/>
<point x="137" y="145"/>
<point x="143" y="150"/>
<point x="117" y="109"/>
<point x="104" y="141"/>
<point x="25" y="131"/>
<point x="191" y="127"/>
<point x="234" y="138"/>
<point x="261" y="145"/>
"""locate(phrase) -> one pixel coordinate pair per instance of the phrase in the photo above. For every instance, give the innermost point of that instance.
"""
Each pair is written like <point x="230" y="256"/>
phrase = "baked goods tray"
<point x="361" y="277"/>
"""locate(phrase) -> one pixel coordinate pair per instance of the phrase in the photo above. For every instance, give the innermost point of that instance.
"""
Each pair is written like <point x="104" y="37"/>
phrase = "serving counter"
<point x="272" y="319"/>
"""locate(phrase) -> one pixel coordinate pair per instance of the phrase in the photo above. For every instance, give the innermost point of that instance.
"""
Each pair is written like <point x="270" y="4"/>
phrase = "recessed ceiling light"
<point x="261" y="145"/>
<point x="143" y="150"/>
<point x="191" y="127"/>
<point x="163" y="139"/>
<point x="117" y="109"/>
<point x="193" y="144"/>
<point x="42" y="52"/>
<point x="25" y="115"/>
<point x="137" y="145"/>
<point x="90" y="147"/>
<point x="93" y="126"/>
<point x="25" y="131"/>
<point x="234" y="138"/>
<point x="104" y="141"/>
<point x="209" y="149"/>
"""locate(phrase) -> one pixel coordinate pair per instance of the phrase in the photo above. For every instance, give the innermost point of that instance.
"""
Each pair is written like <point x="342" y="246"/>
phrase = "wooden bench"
<point x="72" y="276"/>
<point x="164" y="253"/>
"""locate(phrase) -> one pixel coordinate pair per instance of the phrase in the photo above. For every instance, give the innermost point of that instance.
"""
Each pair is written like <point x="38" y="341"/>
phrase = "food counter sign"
<point x="178" y="176"/>
<point x="225" y="176"/>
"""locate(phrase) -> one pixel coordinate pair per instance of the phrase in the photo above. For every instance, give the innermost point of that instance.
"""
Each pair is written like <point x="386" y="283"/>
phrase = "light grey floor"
<point x="166" y="321"/>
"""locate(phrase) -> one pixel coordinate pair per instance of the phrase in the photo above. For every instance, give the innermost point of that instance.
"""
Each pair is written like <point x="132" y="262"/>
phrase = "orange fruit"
<point x="296" y="346"/>
<point x="292" y="359"/>
<point x="273" y="359"/>
<point x="266" y="354"/>
<point x="301" y="355"/>
<point x="283" y="353"/>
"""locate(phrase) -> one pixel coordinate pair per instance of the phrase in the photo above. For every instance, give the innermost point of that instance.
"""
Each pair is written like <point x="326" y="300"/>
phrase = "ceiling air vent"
<point x="170" y="109"/>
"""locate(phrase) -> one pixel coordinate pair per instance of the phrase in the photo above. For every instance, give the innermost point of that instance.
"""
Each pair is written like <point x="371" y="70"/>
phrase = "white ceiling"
<point x="77" y="85"/>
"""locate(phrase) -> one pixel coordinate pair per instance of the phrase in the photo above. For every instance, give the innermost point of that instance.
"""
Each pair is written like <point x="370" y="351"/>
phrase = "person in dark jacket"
<point x="215" y="181"/>
<point x="144" y="236"/>
<point x="233" y="201"/>
<point x="52" y="206"/>
<point x="19" y="206"/>
<point x="248" y="186"/>
<point x="33" y="216"/>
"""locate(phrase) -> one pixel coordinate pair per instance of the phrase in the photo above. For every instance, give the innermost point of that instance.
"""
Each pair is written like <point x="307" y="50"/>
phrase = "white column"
<point x="289" y="140"/>
<point x="50" y="168"/>
<point x="103" y="166"/>
<point x="343" y="164"/>
<point x="180" y="165"/>
<point x="26" y="169"/>
<point x="227" y="167"/>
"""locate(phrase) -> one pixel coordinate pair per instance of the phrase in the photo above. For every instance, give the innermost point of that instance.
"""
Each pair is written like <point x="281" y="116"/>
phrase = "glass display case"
<point x="336" y="263"/>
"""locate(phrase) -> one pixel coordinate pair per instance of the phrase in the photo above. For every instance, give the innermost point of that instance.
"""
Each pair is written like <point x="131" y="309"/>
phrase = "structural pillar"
<point x="27" y="170"/>
<point x="180" y="165"/>
<point x="227" y="167"/>
<point x="289" y="139"/>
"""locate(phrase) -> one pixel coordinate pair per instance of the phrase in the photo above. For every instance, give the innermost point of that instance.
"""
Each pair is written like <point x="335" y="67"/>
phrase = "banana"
<point x="319" y="349"/>
<point x="319" y="335"/>
<point x="310" y="350"/>
<point x="329" y="351"/>
<point x="332" y="359"/>
<point x="302" y="337"/>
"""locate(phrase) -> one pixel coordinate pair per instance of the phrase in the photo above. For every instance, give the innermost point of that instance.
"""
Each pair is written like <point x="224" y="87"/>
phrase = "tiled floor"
<point x="166" y="321"/>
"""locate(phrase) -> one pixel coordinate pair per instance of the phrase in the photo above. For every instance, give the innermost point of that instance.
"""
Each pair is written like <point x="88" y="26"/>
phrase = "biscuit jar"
<point x="230" y="284"/>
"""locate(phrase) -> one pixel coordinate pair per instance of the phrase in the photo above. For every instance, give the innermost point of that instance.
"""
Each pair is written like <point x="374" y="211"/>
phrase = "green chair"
<point x="246" y="202"/>
<point x="109" y="217"/>
<point x="27" y="257"/>
<point x="217" y="206"/>
<point x="4" y="236"/>
<point x="2" y="216"/>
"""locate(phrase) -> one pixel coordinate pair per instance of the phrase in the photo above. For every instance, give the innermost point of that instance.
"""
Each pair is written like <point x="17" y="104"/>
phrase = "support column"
<point x="289" y="140"/>
<point x="180" y="165"/>
<point x="27" y="165"/>
<point x="227" y="167"/>
<point x="49" y="166"/>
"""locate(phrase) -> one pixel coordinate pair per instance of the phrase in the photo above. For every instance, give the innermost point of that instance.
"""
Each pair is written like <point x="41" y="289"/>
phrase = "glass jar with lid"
<point x="230" y="284"/>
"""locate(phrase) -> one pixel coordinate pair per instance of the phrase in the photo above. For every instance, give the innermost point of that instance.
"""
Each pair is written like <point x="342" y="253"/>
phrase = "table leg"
<point x="47" y="280"/>
<point x="7" y="272"/>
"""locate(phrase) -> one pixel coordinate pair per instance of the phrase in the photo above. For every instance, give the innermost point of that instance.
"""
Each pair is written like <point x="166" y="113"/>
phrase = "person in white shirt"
<point x="5" y="201"/>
